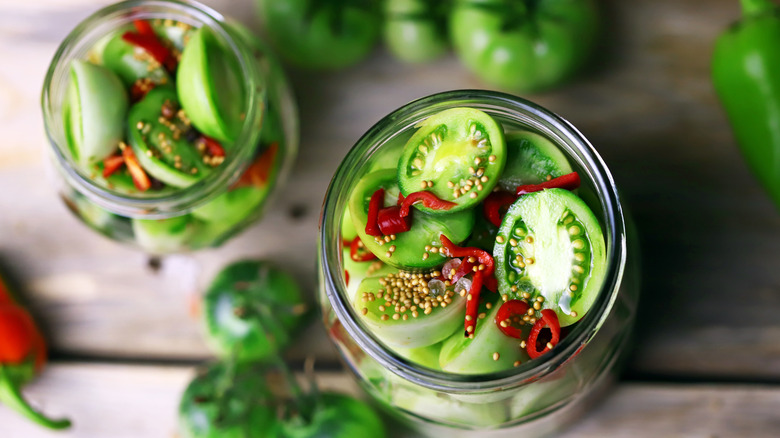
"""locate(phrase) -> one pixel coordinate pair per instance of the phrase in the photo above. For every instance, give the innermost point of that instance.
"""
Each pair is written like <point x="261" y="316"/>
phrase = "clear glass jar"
<point x="539" y="397"/>
<point x="220" y="204"/>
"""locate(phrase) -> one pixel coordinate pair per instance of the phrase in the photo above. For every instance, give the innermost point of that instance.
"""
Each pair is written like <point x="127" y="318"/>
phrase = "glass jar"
<point x="538" y="397"/>
<point x="216" y="206"/>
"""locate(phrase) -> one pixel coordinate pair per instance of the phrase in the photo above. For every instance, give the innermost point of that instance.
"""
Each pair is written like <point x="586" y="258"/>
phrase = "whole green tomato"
<point x="334" y="416"/>
<point x="415" y="31"/>
<point x="228" y="402"/>
<point x="251" y="310"/>
<point x="321" y="34"/>
<point x="523" y="45"/>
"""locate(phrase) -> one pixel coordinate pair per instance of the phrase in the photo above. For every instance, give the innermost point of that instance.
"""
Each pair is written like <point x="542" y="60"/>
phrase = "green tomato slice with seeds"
<point x="162" y="148"/>
<point x="458" y="154"/>
<point x="393" y="321"/>
<point x="530" y="159"/>
<point x="210" y="88"/>
<point x="550" y="244"/>
<point x="95" y="112"/>
<point x="131" y="62"/>
<point x="409" y="250"/>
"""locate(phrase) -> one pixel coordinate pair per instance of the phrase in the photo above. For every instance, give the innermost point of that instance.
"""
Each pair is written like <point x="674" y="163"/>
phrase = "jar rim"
<point x="181" y="200"/>
<point x="577" y="147"/>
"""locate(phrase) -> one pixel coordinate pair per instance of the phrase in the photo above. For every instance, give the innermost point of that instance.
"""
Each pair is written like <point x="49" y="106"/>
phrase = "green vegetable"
<point x="228" y="402"/>
<point x="251" y="310"/>
<point x="416" y="30"/>
<point x="333" y="416"/>
<point x="531" y="158"/>
<point x="123" y="59"/>
<point x="321" y="34"/>
<point x="523" y="45"/>
<point x="94" y="112"/>
<point x="746" y="76"/>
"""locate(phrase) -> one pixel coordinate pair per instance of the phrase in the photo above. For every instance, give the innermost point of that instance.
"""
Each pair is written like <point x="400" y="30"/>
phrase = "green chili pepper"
<point x="523" y="45"/>
<point x="746" y="76"/>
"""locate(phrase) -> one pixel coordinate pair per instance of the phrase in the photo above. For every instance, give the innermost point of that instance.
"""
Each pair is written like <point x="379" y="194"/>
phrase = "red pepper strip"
<point x="457" y="251"/>
<point x="22" y="353"/>
<point x="152" y="45"/>
<point x="212" y="146"/>
<point x="391" y="222"/>
<point x="140" y="178"/>
<point x="490" y="283"/>
<point x="570" y="181"/>
<point x="494" y="203"/>
<point x="346" y="277"/>
<point x="112" y="164"/>
<point x="550" y="319"/>
<point x="505" y="315"/>
<point x="429" y="199"/>
<point x="465" y="268"/>
<point x="376" y="202"/>
<point x="472" y="303"/>
<point x="400" y="199"/>
<point x="353" y="251"/>
<point x="143" y="27"/>
<point x="257" y="173"/>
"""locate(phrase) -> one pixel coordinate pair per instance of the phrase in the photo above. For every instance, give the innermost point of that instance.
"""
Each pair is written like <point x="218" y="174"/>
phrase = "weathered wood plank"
<point x="121" y="401"/>
<point x="709" y="235"/>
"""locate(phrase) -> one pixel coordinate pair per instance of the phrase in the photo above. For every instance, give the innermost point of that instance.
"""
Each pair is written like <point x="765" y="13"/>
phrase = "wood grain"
<point x="121" y="401"/>
<point x="709" y="236"/>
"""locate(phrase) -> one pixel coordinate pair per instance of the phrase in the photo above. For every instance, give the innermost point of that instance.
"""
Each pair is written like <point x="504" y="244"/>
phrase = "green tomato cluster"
<point x="516" y="45"/>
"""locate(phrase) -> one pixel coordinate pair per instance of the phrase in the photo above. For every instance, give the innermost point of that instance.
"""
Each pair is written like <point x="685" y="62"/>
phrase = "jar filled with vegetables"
<point x="170" y="126"/>
<point x="476" y="271"/>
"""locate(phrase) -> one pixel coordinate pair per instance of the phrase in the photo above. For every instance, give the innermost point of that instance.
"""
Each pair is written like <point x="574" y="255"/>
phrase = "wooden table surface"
<point x="706" y="358"/>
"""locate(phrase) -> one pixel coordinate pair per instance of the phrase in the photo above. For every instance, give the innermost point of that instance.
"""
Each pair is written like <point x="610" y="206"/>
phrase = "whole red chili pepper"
<point x="428" y="199"/>
<point x="376" y="202"/>
<point x="22" y="354"/>
<point x="456" y="251"/>
<point x="550" y="319"/>
<point x="505" y="315"/>
<point x="494" y="203"/>
<point x="570" y="181"/>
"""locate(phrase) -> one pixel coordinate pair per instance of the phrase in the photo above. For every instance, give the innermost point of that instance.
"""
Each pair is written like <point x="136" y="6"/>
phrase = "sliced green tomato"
<point x="427" y="356"/>
<point x="157" y="145"/>
<point x="348" y="231"/>
<point x="358" y="271"/>
<point x="131" y="62"/>
<point x="458" y="154"/>
<point x="162" y="236"/>
<point x="463" y="355"/>
<point x="232" y="207"/>
<point x="406" y="330"/>
<point x="551" y="246"/>
<point x="531" y="158"/>
<point x="410" y="247"/>
<point x="95" y="112"/>
<point x="210" y="86"/>
<point x="175" y="32"/>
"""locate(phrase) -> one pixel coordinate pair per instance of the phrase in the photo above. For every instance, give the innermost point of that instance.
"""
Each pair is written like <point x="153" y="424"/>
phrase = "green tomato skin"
<point x="335" y="416"/>
<point x="218" y="404"/>
<point x="522" y="46"/>
<point x="415" y="30"/>
<point x="321" y="35"/>
<point x="251" y="310"/>
<point x="746" y="77"/>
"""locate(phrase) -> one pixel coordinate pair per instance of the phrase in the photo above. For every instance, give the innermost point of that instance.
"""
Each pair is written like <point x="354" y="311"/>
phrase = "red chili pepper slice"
<point x="140" y="178"/>
<point x="258" y="172"/>
<point x="490" y="283"/>
<point x="472" y="303"/>
<point x="570" y="181"/>
<point x="428" y="199"/>
<point x="504" y="317"/>
<point x="143" y="27"/>
<point x="112" y="164"/>
<point x="456" y="251"/>
<point x="391" y="222"/>
<point x="400" y="199"/>
<point x="376" y="202"/>
<point x="213" y="147"/>
<point x="153" y="46"/>
<point x="549" y="319"/>
<point x="465" y="268"/>
<point x="354" y="249"/>
<point x="346" y="277"/>
<point x="494" y="203"/>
